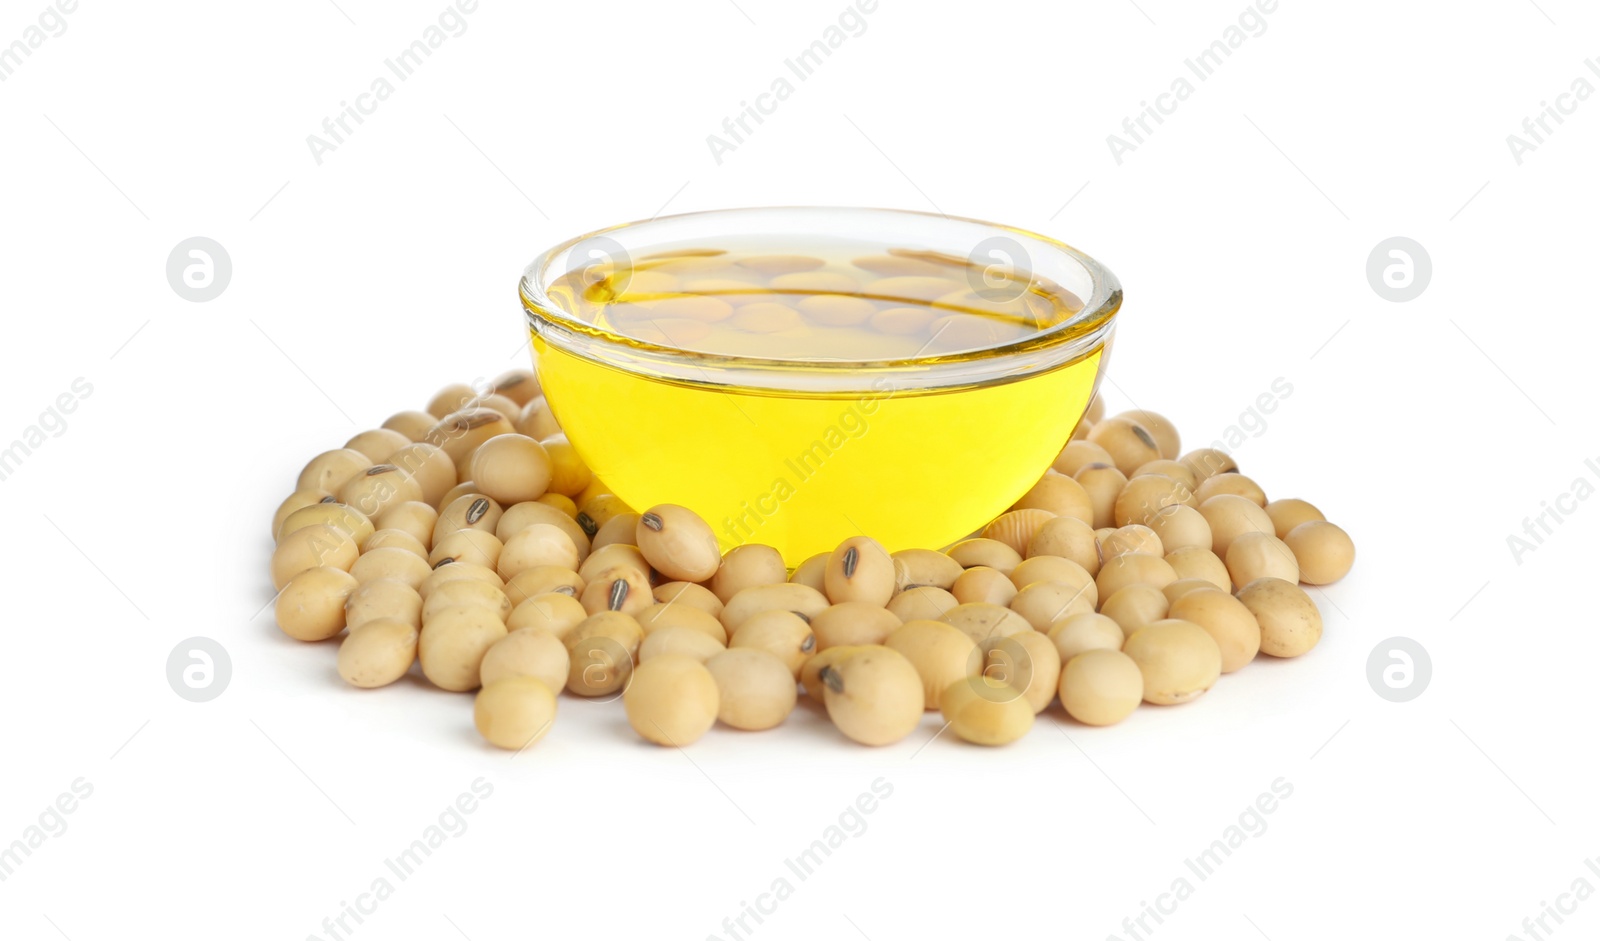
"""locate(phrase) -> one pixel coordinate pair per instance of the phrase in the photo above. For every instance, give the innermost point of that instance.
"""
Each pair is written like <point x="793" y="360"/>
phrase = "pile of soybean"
<point x="470" y="540"/>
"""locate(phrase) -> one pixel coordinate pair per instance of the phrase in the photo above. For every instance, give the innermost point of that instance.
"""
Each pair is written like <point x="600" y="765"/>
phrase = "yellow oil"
<point x="802" y="471"/>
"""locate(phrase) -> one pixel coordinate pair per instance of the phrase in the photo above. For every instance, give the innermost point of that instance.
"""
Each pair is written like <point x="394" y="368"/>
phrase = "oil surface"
<point x="909" y="467"/>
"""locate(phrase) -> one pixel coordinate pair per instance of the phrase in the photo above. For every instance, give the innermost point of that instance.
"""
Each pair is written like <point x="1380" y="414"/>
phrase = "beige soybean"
<point x="985" y="711"/>
<point x="598" y="510"/>
<point x="660" y="616"/>
<point x="984" y="584"/>
<point x="1288" y="513"/>
<point x="1183" y="586"/>
<point x="810" y="674"/>
<point x="1168" y="468"/>
<point x="1205" y="463"/>
<point x="536" y="420"/>
<point x="616" y="555"/>
<point x="430" y="467"/>
<point x="680" y="641"/>
<point x="344" y="518"/>
<point x="1143" y="497"/>
<point x="468" y="511"/>
<point x="1072" y="636"/>
<point x="544" y="580"/>
<point x="536" y="653"/>
<point x="312" y="605"/>
<point x="812" y="572"/>
<point x="1131" y="538"/>
<point x="1104" y="484"/>
<point x="539" y="545"/>
<point x="678" y="543"/>
<point x="1159" y="427"/>
<point x="619" y="588"/>
<point x="1323" y="551"/>
<point x="451" y="398"/>
<point x="511" y="468"/>
<point x="859" y="570"/>
<point x="377" y="653"/>
<point x="452" y="643"/>
<point x="1135" y="606"/>
<point x="979" y="620"/>
<point x="1128" y="442"/>
<point x="990" y="553"/>
<point x="553" y="613"/>
<point x="331" y="470"/>
<point x="923" y="602"/>
<point x="1231" y="516"/>
<point x="689" y="593"/>
<point x="378" y="443"/>
<point x="783" y="634"/>
<point x="385" y="599"/>
<point x="1016" y="529"/>
<point x="924" y="568"/>
<point x="414" y="517"/>
<point x="745" y="567"/>
<point x="1080" y="454"/>
<point x="411" y="423"/>
<point x="1049" y="568"/>
<point x="1227" y="620"/>
<point x="451" y="571"/>
<point x="1060" y="496"/>
<point x="466" y="592"/>
<point x="518" y="385"/>
<point x="514" y="712"/>
<point x="1290" y="622"/>
<point x="298" y="500"/>
<point x="873" y="695"/>
<point x="1236" y="484"/>
<point x="395" y="539"/>
<point x="1133" y="568"/>
<point x="1070" y="539"/>
<point x="802" y="600"/>
<point x="755" y="690"/>
<point x="1026" y="662"/>
<point x="461" y="432"/>
<point x="1200" y="563"/>
<point x="621" y="529"/>
<point x="311" y="547"/>
<point x="602" y="648"/>
<point x="853" y="624"/>
<point x="1177" y="659"/>
<point x="1180" y="526"/>
<point x="569" y="475"/>
<point x="393" y="563"/>
<point x="1101" y="686"/>
<point x="522" y="515"/>
<point x="467" y="545"/>
<point x="1260" y="555"/>
<point x="941" y="654"/>
<point x="1042" y="604"/>
<point x="672" y="700"/>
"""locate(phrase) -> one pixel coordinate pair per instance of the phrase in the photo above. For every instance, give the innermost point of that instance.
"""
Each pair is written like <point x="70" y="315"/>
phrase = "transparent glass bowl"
<point x="801" y="454"/>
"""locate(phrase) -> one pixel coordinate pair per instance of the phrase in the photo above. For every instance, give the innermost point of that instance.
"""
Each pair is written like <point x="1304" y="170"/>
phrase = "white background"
<point x="1240" y="229"/>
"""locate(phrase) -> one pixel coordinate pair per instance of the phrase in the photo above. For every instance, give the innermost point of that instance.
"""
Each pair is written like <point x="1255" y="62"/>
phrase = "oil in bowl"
<point x="799" y="376"/>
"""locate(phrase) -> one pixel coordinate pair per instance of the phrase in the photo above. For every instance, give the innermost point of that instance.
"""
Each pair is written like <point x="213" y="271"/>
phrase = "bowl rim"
<point x="1065" y="341"/>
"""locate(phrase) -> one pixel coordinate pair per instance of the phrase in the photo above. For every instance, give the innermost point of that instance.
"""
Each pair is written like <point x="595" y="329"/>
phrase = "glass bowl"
<point x="801" y="453"/>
